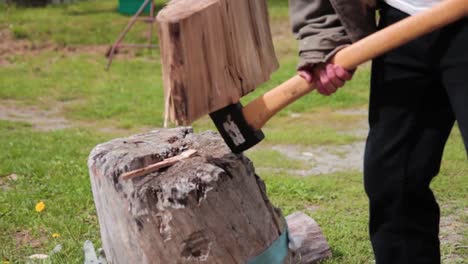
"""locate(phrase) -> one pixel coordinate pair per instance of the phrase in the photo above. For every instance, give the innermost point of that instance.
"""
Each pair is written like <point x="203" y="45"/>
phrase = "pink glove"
<point x="326" y="77"/>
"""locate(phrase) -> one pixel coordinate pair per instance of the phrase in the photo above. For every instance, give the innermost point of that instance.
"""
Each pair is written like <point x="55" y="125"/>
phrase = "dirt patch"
<point x="353" y="112"/>
<point x="53" y="118"/>
<point x="283" y="39"/>
<point x="452" y="235"/>
<point x="10" y="46"/>
<point x="4" y="62"/>
<point x="325" y="159"/>
<point x="40" y="119"/>
<point x="24" y="238"/>
<point x="312" y="208"/>
<point x="361" y="128"/>
<point x="5" y="181"/>
<point x="4" y="186"/>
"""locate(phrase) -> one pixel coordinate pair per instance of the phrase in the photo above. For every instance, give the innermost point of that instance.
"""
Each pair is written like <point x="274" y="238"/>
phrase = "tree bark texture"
<point x="211" y="208"/>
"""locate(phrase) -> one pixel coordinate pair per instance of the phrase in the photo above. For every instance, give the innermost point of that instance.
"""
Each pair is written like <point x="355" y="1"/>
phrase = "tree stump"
<point x="209" y="208"/>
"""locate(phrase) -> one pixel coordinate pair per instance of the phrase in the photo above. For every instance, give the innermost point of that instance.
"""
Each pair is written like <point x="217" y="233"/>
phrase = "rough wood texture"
<point x="213" y="53"/>
<point x="210" y="208"/>
<point x="157" y="166"/>
<point x="307" y="239"/>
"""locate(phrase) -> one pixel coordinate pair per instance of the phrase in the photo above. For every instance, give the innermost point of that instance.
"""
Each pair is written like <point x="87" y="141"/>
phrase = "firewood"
<point x="213" y="53"/>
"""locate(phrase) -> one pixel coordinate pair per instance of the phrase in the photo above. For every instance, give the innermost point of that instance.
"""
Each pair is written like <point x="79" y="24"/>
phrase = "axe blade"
<point x="236" y="132"/>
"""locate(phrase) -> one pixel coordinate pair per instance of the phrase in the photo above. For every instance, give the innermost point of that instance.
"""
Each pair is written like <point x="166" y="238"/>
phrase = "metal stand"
<point x="118" y="43"/>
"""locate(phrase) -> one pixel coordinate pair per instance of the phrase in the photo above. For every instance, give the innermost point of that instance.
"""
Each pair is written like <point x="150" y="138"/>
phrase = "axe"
<point x="241" y="126"/>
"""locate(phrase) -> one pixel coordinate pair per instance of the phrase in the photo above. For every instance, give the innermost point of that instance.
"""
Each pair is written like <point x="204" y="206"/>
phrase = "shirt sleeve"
<point x="319" y="30"/>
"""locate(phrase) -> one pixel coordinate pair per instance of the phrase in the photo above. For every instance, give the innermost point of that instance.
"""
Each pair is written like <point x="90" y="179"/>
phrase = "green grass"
<point x="52" y="165"/>
<point x="51" y="168"/>
<point x="274" y="159"/>
<point x="340" y="205"/>
<point x="85" y="22"/>
<point x="278" y="9"/>
<point x="88" y="22"/>
<point x="130" y="93"/>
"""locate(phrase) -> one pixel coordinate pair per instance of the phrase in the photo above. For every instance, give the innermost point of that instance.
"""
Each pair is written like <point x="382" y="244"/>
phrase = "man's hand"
<point x="327" y="77"/>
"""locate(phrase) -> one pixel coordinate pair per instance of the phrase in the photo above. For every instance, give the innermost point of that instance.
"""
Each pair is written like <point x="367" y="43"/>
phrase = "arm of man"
<point x="321" y="34"/>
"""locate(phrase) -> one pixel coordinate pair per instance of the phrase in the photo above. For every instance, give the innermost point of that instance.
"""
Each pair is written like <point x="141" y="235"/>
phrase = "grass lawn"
<point x="62" y="72"/>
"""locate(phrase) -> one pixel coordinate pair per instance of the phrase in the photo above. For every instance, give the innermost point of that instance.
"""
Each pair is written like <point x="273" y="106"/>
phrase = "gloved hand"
<point x="327" y="77"/>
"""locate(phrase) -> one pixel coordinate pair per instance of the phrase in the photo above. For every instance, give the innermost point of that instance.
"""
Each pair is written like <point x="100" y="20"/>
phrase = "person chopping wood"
<point x="418" y="91"/>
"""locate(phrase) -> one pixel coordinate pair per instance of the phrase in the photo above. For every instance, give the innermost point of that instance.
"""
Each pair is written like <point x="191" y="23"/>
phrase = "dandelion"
<point x="40" y="206"/>
<point x="55" y="235"/>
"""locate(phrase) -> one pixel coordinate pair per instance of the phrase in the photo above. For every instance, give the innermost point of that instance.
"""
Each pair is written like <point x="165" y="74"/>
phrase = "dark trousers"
<point x="417" y="93"/>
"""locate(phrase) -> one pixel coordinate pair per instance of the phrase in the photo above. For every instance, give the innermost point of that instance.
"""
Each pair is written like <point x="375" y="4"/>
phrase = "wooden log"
<point x="213" y="52"/>
<point x="207" y="208"/>
<point x="307" y="239"/>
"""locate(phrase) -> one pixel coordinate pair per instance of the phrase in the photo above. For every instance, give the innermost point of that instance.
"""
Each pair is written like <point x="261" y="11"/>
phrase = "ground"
<point x="57" y="102"/>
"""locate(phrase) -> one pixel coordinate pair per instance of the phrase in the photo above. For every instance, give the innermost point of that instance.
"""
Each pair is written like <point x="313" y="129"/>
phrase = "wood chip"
<point x="162" y="164"/>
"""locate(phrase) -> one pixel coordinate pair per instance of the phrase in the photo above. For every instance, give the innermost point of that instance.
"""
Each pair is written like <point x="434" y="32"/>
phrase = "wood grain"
<point x="213" y="53"/>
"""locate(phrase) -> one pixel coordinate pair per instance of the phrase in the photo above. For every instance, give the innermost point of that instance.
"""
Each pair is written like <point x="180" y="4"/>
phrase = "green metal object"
<point x="130" y="7"/>
<point x="275" y="253"/>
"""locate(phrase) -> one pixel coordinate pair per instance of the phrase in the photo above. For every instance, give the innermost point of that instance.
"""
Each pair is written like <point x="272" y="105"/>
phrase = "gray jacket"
<point x="325" y="26"/>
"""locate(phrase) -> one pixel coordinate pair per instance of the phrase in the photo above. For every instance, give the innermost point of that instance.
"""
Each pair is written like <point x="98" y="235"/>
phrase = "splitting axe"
<point x="241" y="126"/>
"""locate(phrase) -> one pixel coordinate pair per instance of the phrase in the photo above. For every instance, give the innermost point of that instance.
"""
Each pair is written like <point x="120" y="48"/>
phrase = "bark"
<point x="210" y="208"/>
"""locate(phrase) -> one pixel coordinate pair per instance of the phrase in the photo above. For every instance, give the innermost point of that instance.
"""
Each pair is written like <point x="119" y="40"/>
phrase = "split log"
<point x="209" y="208"/>
<point x="307" y="238"/>
<point x="213" y="52"/>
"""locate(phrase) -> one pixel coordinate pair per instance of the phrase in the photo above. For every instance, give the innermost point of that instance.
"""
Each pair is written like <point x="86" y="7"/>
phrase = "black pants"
<point x="417" y="93"/>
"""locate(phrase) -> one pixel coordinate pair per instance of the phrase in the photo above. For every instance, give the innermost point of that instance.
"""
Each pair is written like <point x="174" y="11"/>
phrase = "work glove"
<point x="326" y="77"/>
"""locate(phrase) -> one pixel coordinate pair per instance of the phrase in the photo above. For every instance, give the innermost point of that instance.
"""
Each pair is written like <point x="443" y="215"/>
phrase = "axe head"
<point x="234" y="129"/>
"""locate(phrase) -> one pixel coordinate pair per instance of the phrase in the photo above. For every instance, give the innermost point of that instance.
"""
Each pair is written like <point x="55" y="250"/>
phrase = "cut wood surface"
<point x="213" y="52"/>
<point x="210" y="208"/>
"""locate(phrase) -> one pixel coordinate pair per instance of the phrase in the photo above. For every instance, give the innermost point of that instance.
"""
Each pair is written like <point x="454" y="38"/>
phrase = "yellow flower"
<point x="55" y="235"/>
<point x="6" y="262"/>
<point x="40" y="206"/>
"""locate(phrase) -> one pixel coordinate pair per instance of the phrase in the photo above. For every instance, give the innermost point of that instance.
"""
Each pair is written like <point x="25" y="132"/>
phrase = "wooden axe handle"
<point x="260" y="110"/>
